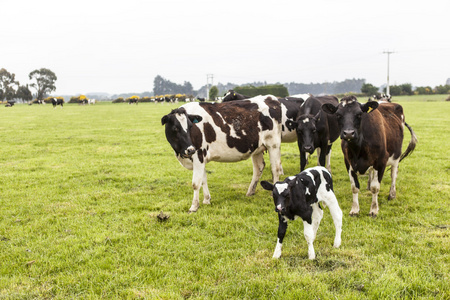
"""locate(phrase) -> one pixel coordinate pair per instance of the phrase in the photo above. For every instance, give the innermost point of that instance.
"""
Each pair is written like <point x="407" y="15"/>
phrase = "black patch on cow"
<point x="266" y="122"/>
<point x="274" y="109"/>
<point x="210" y="134"/>
<point x="200" y="155"/>
<point x="196" y="137"/>
<point x="329" y="181"/>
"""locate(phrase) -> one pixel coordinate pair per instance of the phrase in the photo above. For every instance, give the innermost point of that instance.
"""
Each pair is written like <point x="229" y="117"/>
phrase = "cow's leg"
<point x="275" y="161"/>
<point x="197" y="177"/>
<point x="303" y="160"/>
<point x="394" y="173"/>
<point x="321" y="156"/>
<point x="355" y="190"/>
<point x="336" y="214"/>
<point x="375" y="189"/>
<point x="308" y="231"/>
<point x="370" y="175"/>
<point x="206" y="194"/>
<point x="258" y="167"/>
<point x="282" y="226"/>
<point x="328" y="158"/>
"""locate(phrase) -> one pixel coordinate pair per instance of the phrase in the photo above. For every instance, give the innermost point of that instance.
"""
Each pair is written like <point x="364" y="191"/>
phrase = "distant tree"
<point x="394" y="90"/>
<point x="213" y="92"/>
<point x="442" y="89"/>
<point x="45" y="82"/>
<point x="162" y="86"/>
<point x="24" y="93"/>
<point x="7" y="85"/>
<point x="369" y="89"/>
<point x="424" y="90"/>
<point x="406" y="89"/>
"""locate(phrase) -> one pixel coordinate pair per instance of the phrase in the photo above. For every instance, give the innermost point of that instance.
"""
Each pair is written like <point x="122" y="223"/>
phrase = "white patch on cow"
<point x="291" y="177"/>
<point x="183" y="121"/>
<point x="306" y="120"/>
<point x="311" y="176"/>
<point x="277" y="252"/>
<point x="307" y="192"/>
<point x="281" y="187"/>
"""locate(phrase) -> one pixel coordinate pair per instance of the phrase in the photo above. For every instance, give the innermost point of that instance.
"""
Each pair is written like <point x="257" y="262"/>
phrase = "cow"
<point x="371" y="139"/>
<point x="201" y="99"/>
<point x="299" y="196"/>
<point x="225" y="132"/>
<point x="56" y="102"/>
<point x="10" y="103"/>
<point x="231" y="95"/>
<point x="133" y="101"/>
<point x="315" y="130"/>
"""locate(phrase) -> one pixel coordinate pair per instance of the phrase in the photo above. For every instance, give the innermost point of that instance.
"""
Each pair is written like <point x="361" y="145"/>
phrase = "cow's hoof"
<point x="354" y="213"/>
<point x="391" y="197"/>
<point x="373" y="214"/>
<point x="207" y="201"/>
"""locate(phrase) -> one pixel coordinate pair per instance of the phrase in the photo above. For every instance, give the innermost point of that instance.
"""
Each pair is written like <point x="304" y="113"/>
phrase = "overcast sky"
<point x="120" y="46"/>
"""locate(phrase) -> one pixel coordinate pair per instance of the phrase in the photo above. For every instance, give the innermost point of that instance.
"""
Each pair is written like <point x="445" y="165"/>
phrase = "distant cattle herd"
<point x="241" y="127"/>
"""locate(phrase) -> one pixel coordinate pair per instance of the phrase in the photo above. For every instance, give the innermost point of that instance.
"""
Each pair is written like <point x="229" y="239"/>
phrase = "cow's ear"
<point x="164" y="120"/>
<point x="329" y="108"/>
<point x="267" y="185"/>
<point x="292" y="125"/>
<point x="369" y="106"/>
<point x="195" y="118"/>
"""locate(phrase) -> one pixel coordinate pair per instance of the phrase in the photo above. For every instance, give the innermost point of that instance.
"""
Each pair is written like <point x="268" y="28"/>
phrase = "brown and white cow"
<point x="225" y="132"/>
<point x="372" y="136"/>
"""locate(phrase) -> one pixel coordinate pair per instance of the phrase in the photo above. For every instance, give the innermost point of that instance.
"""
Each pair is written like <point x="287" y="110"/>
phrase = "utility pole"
<point x="388" y="54"/>
<point x="209" y="77"/>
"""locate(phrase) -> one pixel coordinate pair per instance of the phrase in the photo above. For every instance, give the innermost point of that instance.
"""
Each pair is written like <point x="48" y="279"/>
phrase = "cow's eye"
<point x="176" y="129"/>
<point x="359" y="116"/>
<point x="314" y="131"/>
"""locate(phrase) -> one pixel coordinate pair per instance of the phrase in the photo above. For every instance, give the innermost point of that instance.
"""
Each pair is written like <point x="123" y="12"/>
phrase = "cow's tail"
<point x="412" y="143"/>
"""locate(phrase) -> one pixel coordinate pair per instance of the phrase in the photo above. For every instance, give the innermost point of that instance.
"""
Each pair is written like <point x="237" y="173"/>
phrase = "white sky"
<point x="120" y="46"/>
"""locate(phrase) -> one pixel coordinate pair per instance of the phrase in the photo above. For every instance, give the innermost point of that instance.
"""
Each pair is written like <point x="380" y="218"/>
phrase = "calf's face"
<point x="178" y="131"/>
<point x="349" y="113"/>
<point x="281" y="192"/>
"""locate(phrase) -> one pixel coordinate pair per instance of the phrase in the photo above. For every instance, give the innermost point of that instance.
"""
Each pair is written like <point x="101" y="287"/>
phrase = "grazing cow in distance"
<point x="133" y="101"/>
<point x="225" y="132"/>
<point x="299" y="196"/>
<point x="372" y="136"/>
<point x="10" y="103"/>
<point x="231" y="95"/>
<point x="315" y="130"/>
<point x="56" y="102"/>
<point x="201" y="99"/>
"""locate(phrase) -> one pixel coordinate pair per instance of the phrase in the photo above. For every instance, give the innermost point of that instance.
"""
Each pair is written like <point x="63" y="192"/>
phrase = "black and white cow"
<point x="56" y="102"/>
<point x="133" y="101"/>
<point x="299" y="196"/>
<point x="371" y="139"/>
<point x="315" y="130"/>
<point x="231" y="95"/>
<point x="225" y="132"/>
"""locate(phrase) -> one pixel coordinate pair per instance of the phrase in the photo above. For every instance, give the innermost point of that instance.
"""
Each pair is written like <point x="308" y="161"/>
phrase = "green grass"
<point x="82" y="187"/>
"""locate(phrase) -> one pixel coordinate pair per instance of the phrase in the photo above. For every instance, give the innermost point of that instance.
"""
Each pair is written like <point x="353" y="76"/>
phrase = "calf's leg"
<point x="336" y="215"/>
<point x="197" y="176"/>
<point x="308" y="231"/>
<point x="282" y="226"/>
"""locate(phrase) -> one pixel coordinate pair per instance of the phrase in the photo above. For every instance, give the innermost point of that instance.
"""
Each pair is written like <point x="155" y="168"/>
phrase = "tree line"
<point x="42" y="81"/>
<point x="406" y="89"/>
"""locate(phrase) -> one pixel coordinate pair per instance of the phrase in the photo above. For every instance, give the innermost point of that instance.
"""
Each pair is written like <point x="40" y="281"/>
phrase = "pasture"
<point x="81" y="188"/>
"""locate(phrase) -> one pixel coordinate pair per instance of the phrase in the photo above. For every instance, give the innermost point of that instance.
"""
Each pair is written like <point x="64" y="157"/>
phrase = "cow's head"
<point x="178" y="131"/>
<point x="281" y="193"/>
<point x="349" y="113"/>
<point x="306" y="127"/>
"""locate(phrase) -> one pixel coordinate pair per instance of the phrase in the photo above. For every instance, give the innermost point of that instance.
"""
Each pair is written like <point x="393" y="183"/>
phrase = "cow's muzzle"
<point x="188" y="152"/>
<point x="348" y="135"/>
<point x="280" y="209"/>
<point x="308" y="148"/>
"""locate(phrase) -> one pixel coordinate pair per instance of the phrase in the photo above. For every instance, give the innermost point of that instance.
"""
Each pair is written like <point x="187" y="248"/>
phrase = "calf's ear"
<point x="267" y="185"/>
<point x="164" y="120"/>
<point x="292" y="125"/>
<point x="369" y="106"/>
<point x="329" y="108"/>
<point x="195" y="118"/>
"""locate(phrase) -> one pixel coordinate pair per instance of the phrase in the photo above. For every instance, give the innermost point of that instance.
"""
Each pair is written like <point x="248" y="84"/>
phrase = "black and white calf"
<point x="225" y="132"/>
<point x="299" y="196"/>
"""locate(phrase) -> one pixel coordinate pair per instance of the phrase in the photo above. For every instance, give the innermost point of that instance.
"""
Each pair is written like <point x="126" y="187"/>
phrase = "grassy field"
<point x="81" y="188"/>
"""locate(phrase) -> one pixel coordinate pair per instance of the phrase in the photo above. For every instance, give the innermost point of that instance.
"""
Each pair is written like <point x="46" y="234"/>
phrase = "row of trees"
<point x="42" y="80"/>
<point x="405" y="89"/>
